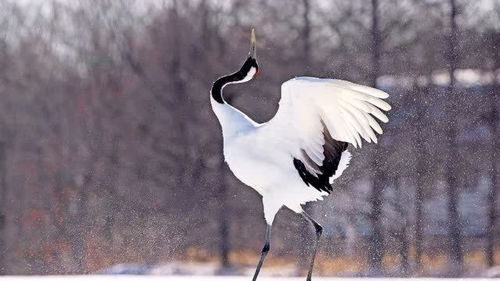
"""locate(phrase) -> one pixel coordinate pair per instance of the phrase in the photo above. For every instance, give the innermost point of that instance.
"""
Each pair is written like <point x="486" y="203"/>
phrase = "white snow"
<point x="464" y="77"/>
<point x="203" y="278"/>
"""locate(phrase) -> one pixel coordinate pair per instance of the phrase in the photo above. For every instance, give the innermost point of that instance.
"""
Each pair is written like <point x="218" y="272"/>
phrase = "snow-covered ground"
<point x="201" y="278"/>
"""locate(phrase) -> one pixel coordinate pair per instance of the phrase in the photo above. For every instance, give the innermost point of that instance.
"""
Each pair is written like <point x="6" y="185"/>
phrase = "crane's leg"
<point x="319" y="231"/>
<point x="265" y="250"/>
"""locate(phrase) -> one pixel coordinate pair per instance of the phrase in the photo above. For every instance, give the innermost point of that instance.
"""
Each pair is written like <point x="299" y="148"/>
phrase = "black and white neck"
<point x="231" y="119"/>
<point x="248" y="71"/>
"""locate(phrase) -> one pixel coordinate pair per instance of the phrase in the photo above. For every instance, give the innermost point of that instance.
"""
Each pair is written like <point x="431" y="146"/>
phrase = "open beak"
<point x="253" y="45"/>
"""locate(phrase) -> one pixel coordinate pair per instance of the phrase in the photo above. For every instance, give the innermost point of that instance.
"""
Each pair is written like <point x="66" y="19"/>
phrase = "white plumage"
<point x="295" y="157"/>
<point x="261" y="155"/>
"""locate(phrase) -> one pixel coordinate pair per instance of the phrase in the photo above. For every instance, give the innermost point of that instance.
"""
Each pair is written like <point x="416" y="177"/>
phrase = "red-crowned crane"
<point x="294" y="157"/>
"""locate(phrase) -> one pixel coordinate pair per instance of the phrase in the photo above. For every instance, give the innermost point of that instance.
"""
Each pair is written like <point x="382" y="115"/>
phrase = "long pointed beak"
<point x="253" y="45"/>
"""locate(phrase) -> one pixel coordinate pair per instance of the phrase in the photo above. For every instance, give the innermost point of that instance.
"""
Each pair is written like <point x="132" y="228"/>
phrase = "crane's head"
<point x="248" y="71"/>
<point x="250" y="68"/>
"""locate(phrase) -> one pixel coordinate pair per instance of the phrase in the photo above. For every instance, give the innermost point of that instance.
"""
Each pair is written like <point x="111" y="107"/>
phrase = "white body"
<point x="261" y="155"/>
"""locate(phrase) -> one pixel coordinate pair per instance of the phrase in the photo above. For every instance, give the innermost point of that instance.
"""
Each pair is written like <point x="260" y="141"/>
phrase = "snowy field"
<point x="203" y="278"/>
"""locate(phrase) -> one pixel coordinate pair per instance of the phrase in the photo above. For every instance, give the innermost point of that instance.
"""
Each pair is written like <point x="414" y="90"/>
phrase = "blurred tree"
<point x="376" y="243"/>
<point x="420" y="181"/>
<point x="493" y="43"/>
<point x="3" y="201"/>
<point x="400" y="229"/>
<point x="453" y="186"/>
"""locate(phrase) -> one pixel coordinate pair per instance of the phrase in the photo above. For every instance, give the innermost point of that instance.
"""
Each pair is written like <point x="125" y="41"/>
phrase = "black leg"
<point x="265" y="250"/>
<point x="319" y="231"/>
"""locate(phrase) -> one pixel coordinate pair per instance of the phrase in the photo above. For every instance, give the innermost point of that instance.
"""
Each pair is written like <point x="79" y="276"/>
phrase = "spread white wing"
<point x="314" y="113"/>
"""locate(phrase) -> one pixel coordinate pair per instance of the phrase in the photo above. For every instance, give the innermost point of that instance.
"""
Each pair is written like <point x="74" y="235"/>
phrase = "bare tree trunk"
<point x="3" y="200"/>
<point x="376" y="240"/>
<point x="376" y="46"/>
<point x="306" y="34"/>
<point x="455" y="238"/>
<point x="224" y="246"/>
<point x="402" y="231"/>
<point x="224" y="211"/>
<point x="404" y="252"/>
<point x="495" y="143"/>
<point x="404" y="249"/>
<point x="419" y="196"/>
<point x="493" y="192"/>
<point x="77" y="235"/>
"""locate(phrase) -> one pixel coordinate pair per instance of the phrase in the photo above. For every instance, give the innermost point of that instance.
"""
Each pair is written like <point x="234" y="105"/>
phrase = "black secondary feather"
<point x="332" y="151"/>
